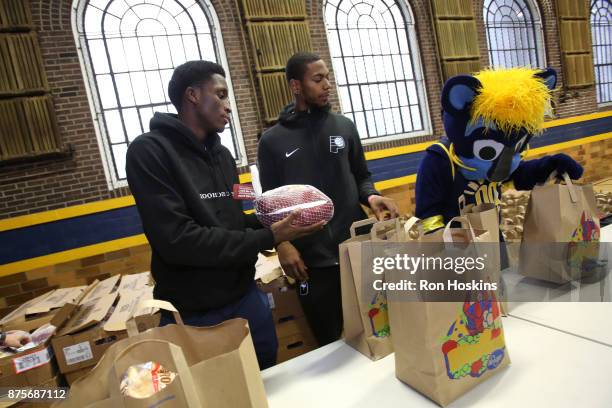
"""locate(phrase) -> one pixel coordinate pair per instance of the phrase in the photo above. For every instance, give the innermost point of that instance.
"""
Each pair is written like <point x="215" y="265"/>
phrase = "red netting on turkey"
<point x="275" y="205"/>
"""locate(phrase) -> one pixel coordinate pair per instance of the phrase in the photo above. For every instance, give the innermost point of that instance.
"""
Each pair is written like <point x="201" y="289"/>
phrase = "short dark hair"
<point x="296" y="66"/>
<point x="189" y="74"/>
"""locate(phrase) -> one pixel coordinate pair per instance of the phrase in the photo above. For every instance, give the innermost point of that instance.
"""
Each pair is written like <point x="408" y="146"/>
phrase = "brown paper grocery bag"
<point x="179" y="393"/>
<point x="366" y="321"/>
<point x="484" y="217"/>
<point x="561" y="232"/>
<point x="221" y="360"/>
<point x="444" y="349"/>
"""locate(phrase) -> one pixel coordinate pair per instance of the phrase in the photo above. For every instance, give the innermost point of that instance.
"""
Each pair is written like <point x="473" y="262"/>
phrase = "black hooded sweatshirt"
<point x="323" y="149"/>
<point x="204" y="246"/>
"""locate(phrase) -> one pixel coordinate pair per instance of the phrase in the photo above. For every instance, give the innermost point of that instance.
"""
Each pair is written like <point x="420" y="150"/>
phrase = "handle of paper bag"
<point x="178" y="360"/>
<point x="568" y="181"/>
<point x="382" y="225"/>
<point x="132" y="327"/>
<point x="570" y="188"/>
<point x="361" y="223"/>
<point x="551" y="178"/>
<point x="447" y="236"/>
<point x="410" y="223"/>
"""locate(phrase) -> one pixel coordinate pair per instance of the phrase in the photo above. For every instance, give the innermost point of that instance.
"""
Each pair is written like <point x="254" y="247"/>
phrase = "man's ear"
<point x="459" y="93"/>
<point x="192" y="94"/>
<point x="549" y="76"/>
<point x="296" y="86"/>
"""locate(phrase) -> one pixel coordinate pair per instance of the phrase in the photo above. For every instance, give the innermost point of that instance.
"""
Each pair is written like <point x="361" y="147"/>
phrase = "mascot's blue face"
<point x="492" y="154"/>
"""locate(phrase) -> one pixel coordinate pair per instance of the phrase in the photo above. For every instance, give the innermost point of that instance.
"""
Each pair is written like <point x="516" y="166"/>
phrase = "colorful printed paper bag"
<point x="561" y="233"/>
<point x="443" y="349"/>
<point x="366" y="321"/>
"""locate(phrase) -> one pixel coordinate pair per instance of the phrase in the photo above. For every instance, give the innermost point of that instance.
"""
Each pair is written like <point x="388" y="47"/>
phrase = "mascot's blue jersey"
<point x="441" y="191"/>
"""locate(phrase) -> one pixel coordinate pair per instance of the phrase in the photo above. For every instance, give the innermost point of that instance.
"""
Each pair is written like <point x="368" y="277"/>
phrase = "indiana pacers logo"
<point x="336" y="143"/>
<point x="479" y="193"/>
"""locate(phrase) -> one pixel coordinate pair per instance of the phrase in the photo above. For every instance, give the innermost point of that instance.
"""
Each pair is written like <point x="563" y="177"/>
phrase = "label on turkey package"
<point x="243" y="192"/>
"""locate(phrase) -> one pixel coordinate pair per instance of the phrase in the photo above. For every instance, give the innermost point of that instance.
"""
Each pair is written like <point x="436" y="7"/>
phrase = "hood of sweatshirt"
<point x="170" y="123"/>
<point x="289" y="116"/>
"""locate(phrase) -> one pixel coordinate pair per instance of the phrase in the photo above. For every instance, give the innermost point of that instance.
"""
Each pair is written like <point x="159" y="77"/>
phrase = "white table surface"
<point x="549" y="369"/>
<point x="590" y="320"/>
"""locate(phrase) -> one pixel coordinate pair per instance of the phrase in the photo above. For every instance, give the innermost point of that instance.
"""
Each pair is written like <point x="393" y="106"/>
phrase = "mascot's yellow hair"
<point x="512" y="99"/>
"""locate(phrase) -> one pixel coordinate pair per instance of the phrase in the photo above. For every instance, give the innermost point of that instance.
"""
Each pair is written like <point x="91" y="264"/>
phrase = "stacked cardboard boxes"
<point x="99" y="321"/>
<point x="35" y="363"/>
<point x="71" y="328"/>
<point x="294" y="334"/>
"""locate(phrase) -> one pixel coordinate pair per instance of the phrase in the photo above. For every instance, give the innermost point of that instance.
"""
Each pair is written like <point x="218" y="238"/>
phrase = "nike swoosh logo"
<point x="289" y="154"/>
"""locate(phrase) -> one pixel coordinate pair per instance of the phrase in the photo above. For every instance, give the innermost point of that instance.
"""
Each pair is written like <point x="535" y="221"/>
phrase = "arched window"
<point x="129" y="50"/>
<point x="514" y="33"/>
<point x="601" y="26"/>
<point x="377" y="67"/>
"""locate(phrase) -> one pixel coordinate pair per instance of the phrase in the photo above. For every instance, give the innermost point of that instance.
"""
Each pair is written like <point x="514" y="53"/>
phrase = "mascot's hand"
<point x="562" y="163"/>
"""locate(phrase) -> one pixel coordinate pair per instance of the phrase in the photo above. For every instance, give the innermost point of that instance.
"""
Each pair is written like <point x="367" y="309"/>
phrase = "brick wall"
<point x="32" y="187"/>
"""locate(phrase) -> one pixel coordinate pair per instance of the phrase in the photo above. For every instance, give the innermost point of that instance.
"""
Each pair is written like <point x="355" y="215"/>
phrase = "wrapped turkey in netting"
<point x="144" y="380"/>
<point x="275" y="205"/>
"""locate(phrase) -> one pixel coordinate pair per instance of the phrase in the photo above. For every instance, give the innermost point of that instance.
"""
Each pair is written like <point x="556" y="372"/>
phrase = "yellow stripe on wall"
<point x="72" y="254"/>
<point x="396" y="182"/>
<point x="63" y="213"/>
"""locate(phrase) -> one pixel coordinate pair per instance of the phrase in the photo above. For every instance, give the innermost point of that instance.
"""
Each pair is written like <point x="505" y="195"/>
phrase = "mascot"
<point x="489" y="120"/>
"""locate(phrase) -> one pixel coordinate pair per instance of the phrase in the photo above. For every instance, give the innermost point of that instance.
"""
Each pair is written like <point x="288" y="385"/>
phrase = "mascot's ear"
<point x="549" y="76"/>
<point x="459" y="93"/>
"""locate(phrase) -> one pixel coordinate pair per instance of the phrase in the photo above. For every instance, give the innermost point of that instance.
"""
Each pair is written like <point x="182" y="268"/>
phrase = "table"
<point x="549" y="369"/>
<point x="590" y="320"/>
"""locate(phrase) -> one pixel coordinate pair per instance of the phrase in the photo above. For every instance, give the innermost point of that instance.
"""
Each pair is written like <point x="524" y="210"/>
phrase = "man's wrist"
<point x="2" y="338"/>
<point x="371" y="198"/>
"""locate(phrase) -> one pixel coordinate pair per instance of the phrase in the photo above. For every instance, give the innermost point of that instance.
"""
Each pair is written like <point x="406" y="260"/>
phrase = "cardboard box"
<point x="39" y="311"/>
<point x="283" y="299"/>
<point x="291" y="326"/>
<point x="100" y="289"/>
<point x="75" y="375"/>
<point x="57" y="299"/>
<point x="293" y="346"/>
<point x="126" y="306"/>
<point x="36" y="365"/>
<point x="19" y="320"/>
<point x="84" y="338"/>
<point x="135" y="281"/>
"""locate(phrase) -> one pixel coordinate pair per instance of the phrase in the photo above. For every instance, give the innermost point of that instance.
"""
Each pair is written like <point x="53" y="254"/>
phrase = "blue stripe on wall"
<point x="44" y="239"/>
<point x="62" y="235"/>
<point x="560" y="134"/>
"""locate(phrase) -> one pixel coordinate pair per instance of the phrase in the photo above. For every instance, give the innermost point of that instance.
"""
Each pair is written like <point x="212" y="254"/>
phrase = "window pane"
<point x="601" y="31"/>
<point x="372" y="46"/>
<point x="119" y="152"/>
<point x="156" y="90"/>
<point x="513" y="32"/>
<point x="107" y="91"/>
<point x="145" y="41"/>
<point x="132" y="123"/>
<point x="147" y="52"/>
<point x="113" y="126"/>
<point x="125" y="89"/>
<point x="97" y="51"/>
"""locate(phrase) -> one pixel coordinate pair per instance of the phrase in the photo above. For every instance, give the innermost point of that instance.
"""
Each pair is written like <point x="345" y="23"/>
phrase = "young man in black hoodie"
<point x="204" y="246"/>
<point x="311" y="145"/>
